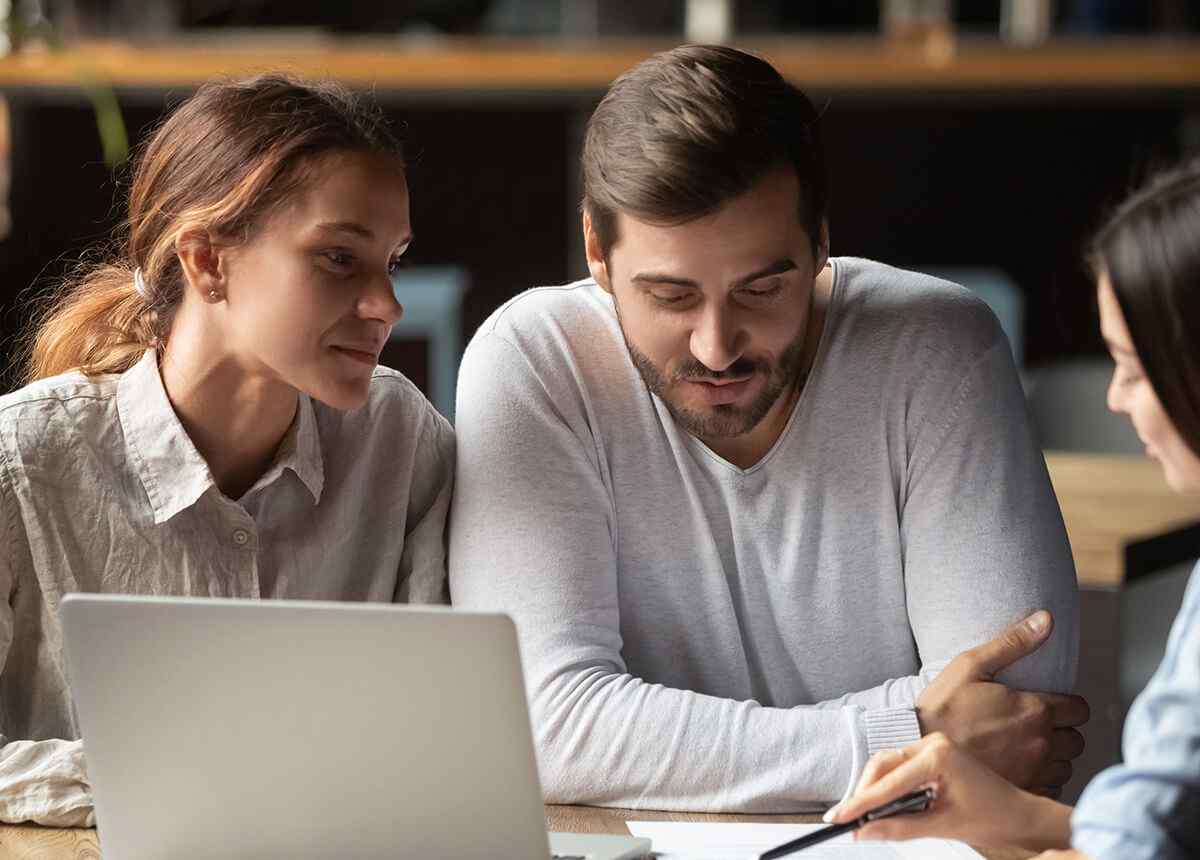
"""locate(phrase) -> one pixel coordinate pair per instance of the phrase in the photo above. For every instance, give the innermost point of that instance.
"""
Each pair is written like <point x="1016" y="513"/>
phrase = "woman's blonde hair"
<point x="220" y="162"/>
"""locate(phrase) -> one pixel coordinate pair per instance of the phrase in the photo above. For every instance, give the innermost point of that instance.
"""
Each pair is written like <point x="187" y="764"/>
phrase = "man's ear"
<point x="822" y="249"/>
<point x="203" y="263"/>
<point x="597" y="264"/>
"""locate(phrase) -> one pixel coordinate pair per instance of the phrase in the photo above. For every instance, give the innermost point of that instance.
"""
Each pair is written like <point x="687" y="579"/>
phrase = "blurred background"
<point x="978" y="140"/>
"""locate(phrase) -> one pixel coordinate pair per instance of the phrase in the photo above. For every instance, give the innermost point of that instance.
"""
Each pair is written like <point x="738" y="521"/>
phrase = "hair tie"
<point x="140" y="287"/>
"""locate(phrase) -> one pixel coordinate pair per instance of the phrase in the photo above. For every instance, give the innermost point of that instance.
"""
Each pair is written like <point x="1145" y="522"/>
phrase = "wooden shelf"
<point x="566" y="68"/>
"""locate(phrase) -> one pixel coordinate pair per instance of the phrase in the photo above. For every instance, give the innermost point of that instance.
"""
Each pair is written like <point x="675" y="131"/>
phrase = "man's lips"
<point x="705" y="380"/>
<point x="719" y="392"/>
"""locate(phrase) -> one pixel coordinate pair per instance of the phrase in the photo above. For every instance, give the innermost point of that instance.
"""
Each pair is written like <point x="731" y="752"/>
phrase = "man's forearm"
<point x="613" y="739"/>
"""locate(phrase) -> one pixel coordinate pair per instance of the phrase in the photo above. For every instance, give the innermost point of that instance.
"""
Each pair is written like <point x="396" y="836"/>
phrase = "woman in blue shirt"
<point x="1147" y="265"/>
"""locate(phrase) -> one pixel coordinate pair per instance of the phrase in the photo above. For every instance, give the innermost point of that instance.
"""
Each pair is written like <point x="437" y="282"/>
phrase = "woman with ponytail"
<point x="203" y="413"/>
<point x="1147" y="265"/>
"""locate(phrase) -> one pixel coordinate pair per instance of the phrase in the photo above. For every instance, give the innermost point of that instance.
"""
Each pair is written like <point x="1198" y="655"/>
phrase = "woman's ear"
<point x="203" y="264"/>
<point x="597" y="264"/>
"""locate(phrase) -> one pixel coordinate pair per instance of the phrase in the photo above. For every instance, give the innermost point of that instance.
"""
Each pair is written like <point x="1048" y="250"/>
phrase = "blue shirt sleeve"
<point x="1149" y="806"/>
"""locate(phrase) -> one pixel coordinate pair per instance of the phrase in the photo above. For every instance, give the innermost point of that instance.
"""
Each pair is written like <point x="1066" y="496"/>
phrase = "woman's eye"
<point x="397" y="264"/>
<point x="339" y="258"/>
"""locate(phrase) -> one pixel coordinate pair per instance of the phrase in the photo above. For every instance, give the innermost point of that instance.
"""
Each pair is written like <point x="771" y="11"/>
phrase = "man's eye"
<point x="762" y="292"/>
<point x="397" y="264"/>
<point x="669" y="298"/>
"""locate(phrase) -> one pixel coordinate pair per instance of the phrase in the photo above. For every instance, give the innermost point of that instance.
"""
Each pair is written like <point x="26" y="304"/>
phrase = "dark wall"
<point x="1011" y="184"/>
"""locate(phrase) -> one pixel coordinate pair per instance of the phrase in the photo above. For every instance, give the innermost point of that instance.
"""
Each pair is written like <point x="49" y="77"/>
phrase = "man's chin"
<point x="708" y="420"/>
<point x="713" y="422"/>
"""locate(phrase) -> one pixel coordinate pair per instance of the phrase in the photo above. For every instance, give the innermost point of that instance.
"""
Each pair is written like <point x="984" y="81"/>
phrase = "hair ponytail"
<point x="96" y="322"/>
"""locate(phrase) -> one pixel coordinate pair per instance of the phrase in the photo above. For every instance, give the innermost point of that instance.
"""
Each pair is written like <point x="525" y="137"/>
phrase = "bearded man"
<point x="749" y="504"/>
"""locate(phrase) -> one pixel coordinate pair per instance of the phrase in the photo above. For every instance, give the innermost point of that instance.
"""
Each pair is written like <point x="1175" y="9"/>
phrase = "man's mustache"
<point x="696" y="370"/>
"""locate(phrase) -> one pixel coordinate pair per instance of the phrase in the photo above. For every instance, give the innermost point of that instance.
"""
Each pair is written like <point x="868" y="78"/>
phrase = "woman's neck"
<point x="236" y="419"/>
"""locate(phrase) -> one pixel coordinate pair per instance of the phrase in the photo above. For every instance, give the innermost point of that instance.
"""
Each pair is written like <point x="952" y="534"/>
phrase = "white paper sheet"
<point x="688" y="840"/>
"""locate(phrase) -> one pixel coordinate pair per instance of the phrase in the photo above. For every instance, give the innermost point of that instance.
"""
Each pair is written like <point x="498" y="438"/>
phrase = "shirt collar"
<point x="300" y="451"/>
<point x="171" y="470"/>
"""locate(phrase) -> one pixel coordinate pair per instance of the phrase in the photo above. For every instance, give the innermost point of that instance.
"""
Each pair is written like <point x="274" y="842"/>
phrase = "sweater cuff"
<point x="890" y="728"/>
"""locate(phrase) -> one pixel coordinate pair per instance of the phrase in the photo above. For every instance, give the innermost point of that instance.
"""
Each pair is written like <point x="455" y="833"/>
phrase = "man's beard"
<point x="724" y="421"/>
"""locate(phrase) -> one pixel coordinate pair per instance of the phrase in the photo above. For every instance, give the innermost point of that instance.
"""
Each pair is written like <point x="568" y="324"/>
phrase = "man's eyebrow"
<point x="780" y="266"/>
<point x="656" y="278"/>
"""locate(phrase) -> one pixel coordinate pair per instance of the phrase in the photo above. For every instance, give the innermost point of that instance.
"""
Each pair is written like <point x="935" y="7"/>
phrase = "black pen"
<point x="917" y="801"/>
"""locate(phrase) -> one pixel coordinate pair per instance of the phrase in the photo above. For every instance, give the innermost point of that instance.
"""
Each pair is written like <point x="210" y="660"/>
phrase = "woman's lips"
<point x="359" y="355"/>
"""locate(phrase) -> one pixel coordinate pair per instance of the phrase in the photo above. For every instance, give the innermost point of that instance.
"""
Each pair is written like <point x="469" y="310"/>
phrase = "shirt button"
<point x="240" y="536"/>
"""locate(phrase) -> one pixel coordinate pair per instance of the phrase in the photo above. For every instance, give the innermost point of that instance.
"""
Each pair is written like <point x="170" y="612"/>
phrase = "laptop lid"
<point x="258" y="728"/>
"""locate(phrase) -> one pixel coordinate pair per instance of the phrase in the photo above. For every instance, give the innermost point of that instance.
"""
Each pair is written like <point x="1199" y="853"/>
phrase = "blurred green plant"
<point x="24" y="26"/>
<point x="110" y="123"/>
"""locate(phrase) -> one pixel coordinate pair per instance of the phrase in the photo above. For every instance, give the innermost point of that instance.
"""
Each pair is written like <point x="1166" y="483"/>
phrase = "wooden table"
<point x="28" y="842"/>
<point x="1122" y="518"/>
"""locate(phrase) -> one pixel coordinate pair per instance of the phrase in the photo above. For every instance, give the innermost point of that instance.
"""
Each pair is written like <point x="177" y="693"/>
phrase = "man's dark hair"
<point x="687" y="130"/>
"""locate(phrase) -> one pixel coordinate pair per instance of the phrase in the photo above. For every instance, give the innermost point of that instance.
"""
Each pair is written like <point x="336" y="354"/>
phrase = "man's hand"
<point x="1025" y="737"/>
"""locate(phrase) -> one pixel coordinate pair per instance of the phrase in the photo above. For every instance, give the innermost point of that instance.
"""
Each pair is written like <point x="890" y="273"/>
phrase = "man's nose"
<point x="717" y="340"/>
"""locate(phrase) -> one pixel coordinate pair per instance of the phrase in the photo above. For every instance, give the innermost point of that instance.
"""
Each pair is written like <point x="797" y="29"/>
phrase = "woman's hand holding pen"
<point x="973" y="803"/>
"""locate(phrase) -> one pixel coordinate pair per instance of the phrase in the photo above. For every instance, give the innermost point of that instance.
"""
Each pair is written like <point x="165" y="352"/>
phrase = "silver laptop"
<point x="257" y="728"/>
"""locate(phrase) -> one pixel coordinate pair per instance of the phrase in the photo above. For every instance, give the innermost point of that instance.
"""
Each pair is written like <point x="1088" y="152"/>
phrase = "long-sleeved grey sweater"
<point x="696" y="635"/>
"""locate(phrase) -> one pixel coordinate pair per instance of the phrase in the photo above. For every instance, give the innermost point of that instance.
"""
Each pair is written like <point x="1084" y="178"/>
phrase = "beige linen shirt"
<point x="101" y="490"/>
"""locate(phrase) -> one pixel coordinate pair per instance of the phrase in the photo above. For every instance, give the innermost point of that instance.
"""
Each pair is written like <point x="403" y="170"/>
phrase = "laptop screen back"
<point x="222" y="728"/>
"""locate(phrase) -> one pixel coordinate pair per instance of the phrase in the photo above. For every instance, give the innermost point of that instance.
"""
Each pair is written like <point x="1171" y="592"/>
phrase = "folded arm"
<point x="45" y="782"/>
<point x="40" y="781"/>
<point x="984" y="546"/>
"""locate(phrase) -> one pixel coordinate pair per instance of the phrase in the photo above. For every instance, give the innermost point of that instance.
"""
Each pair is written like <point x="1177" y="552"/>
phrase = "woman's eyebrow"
<point x="1113" y="346"/>
<point x="346" y="227"/>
